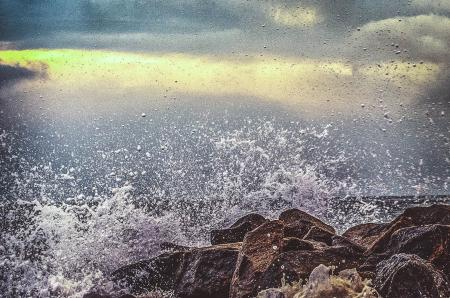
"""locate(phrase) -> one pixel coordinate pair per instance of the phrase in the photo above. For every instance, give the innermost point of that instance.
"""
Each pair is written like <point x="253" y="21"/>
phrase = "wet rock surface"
<point x="406" y="275"/>
<point x="416" y="216"/>
<point x="408" y="257"/>
<point x="237" y="231"/>
<point x="365" y="234"/>
<point x="260" y="248"/>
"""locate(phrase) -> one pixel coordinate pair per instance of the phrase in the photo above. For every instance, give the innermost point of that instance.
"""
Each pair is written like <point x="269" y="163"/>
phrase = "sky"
<point x="379" y="69"/>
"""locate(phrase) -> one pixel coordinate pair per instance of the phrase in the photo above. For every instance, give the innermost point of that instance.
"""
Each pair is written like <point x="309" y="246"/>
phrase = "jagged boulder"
<point x="236" y="232"/>
<point x="320" y="235"/>
<point x="293" y="216"/>
<point x="337" y="240"/>
<point x="293" y="266"/>
<point x="207" y="272"/>
<point x="430" y="242"/>
<point x="259" y="249"/>
<point x="199" y="272"/>
<point x="416" y="216"/>
<point x="158" y="273"/>
<point x="365" y="234"/>
<point x="409" y="276"/>
<point x="295" y="244"/>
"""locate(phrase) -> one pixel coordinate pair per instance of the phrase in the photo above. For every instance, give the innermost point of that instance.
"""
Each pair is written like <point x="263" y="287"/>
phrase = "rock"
<point x="431" y="243"/>
<point x="321" y="284"/>
<point x="319" y="275"/>
<point x="237" y="231"/>
<point x="337" y="240"/>
<point x="259" y="249"/>
<point x="295" y="244"/>
<point x="291" y="216"/>
<point x="298" y="229"/>
<point x="207" y="272"/>
<point x="158" y="273"/>
<point x="365" y="234"/>
<point x="202" y="272"/>
<point x="271" y="293"/>
<point x="298" y="265"/>
<point x="354" y="278"/>
<point x="407" y="276"/>
<point x="320" y="235"/>
<point x="417" y="216"/>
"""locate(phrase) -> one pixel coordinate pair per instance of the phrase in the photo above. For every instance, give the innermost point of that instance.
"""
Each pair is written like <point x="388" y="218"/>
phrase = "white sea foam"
<point x="64" y="245"/>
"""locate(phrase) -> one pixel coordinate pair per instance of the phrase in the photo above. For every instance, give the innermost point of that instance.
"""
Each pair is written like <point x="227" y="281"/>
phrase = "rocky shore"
<point x="299" y="255"/>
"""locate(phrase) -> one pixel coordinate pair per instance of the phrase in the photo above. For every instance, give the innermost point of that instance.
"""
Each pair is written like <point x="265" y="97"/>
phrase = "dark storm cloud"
<point x="10" y="74"/>
<point x="21" y="19"/>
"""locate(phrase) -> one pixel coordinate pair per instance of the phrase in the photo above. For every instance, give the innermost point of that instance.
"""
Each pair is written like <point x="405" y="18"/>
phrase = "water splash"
<point x="68" y="224"/>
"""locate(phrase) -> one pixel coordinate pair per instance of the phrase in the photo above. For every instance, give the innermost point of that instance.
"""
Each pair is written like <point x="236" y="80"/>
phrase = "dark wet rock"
<point x="202" y="272"/>
<point x="320" y="235"/>
<point x="237" y="231"/>
<point x="365" y="234"/>
<point x="295" y="244"/>
<point x="298" y="229"/>
<point x="416" y="216"/>
<point x="431" y="243"/>
<point x="207" y="272"/>
<point x="409" y="276"/>
<point x="259" y="249"/>
<point x="296" y="265"/>
<point x="337" y="240"/>
<point x="291" y="216"/>
<point x="158" y="273"/>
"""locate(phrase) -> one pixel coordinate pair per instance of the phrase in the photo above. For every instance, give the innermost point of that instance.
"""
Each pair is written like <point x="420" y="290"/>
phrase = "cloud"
<point x="436" y="5"/>
<point x="418" y="37"/>
<point x="11" y="73"/>
<point x="24" y="19"/>
<point x="295" y="16"/>
<point x="289" y="81"/>
<point x="273" y="78"/>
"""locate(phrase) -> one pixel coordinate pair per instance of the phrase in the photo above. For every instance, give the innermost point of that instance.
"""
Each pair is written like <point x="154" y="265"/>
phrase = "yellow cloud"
<point x="301" y="83"/>
<point x="296" y="17"/>
<point x="403" y="73"/>
<point x="264" y="77"/>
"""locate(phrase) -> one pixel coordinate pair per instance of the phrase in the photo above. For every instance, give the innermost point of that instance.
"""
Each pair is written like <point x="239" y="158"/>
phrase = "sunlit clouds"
<point x="290" y="81"/>
<point x="267" y="78"/>
<point x="295" y="16"/>
<point x="419" y="37"/>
